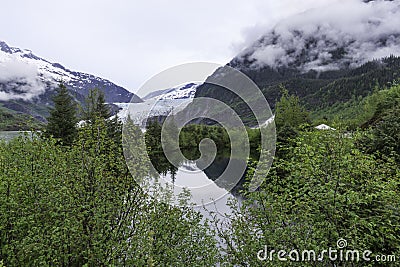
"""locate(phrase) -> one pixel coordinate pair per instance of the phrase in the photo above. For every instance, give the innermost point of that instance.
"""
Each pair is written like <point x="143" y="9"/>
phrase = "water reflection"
<point x="204" y="182"/>
<point x="203" y="189"/>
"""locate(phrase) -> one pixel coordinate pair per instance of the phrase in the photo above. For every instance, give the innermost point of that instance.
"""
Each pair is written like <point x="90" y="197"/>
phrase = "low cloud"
<point x="344" y="33"/>
<point x="19" y="80"/>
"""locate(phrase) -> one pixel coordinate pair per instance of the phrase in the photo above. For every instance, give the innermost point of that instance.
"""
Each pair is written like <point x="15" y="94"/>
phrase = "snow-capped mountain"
<point x="179" y="92"/>
<point x="27" y="82"/>
<point x="159" y="103"/>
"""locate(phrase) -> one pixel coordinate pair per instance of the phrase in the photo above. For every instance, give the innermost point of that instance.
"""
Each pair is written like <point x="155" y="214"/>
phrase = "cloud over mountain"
<point x="346" y="33"/>
<point x="19" y="79"/>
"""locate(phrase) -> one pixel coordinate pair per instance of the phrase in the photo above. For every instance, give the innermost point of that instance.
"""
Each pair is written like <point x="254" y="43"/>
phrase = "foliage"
<point x="360" y="111"/>
<point x="289" y="111"/>
<point x="384" y="136"/>
<point x="381" y="121"/>
<point x="327" y="189"/>
<point x="80" y="206"/>
<point x="290" y="118"/>
<point x="191" y="135"/>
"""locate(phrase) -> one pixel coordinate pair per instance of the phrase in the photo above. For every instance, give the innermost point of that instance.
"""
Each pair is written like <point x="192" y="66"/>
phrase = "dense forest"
<point x="67" y="197"/>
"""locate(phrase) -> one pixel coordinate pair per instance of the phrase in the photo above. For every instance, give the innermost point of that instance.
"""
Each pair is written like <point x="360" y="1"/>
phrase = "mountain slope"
<point x="13" y="121"/>
<point x="320" y="58"/>
<point x="27" y="83"/>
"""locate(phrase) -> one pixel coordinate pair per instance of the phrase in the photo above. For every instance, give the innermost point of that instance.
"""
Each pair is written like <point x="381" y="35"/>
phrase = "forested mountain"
<point x="319" y="58"/>
<point x="315" y="90"/>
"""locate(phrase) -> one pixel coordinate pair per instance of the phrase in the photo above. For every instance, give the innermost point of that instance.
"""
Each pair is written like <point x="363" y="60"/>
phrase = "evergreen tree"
<point x="96" y="110"/>
<point x="62" y="121"/>
<point x="95" y="106"/>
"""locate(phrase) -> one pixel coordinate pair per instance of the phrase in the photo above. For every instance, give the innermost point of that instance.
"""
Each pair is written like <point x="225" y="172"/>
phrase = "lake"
<point x="204" y="184"/>
<point x="8" y="135"/>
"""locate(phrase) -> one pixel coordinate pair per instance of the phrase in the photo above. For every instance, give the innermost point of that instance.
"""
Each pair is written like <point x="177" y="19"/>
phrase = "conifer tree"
<point x="96" y="109"/>
<point x="62" y="120"/>
<point x="95" y="106"/>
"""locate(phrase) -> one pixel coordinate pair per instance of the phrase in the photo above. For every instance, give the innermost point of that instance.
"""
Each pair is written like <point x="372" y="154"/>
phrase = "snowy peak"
<point x="180" y="92"/>
<point x="25" y="53"/>
<point x="25" y="76"/>
<point x="186" y="91"/>
<point x="27" y="83"/>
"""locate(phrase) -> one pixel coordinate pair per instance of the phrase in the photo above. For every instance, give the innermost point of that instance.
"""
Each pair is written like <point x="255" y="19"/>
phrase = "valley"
<point x="287" y="154"/>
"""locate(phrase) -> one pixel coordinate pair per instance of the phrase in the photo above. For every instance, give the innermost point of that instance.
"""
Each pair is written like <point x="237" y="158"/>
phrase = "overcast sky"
<point x="128" y="42"/>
